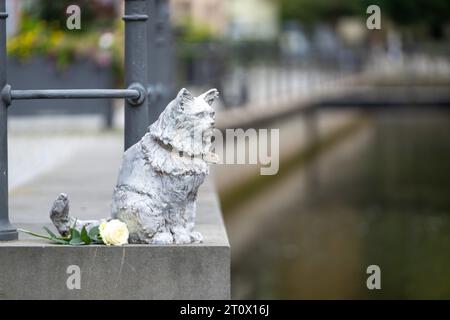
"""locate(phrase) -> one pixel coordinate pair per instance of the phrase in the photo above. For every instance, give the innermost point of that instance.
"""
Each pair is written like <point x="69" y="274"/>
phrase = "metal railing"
<point x="146" y="31"/>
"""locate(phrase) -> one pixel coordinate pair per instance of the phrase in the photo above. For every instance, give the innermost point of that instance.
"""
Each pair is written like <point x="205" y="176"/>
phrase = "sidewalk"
<point x="88" y="176"/>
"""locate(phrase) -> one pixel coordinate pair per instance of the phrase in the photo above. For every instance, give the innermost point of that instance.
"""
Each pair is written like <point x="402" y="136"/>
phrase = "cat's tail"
<point x="59" y="214"/>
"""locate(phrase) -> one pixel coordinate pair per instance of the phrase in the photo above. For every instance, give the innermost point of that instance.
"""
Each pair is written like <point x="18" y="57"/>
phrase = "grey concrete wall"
<point x="129" y="272"/>
<point x="36" y="269"/>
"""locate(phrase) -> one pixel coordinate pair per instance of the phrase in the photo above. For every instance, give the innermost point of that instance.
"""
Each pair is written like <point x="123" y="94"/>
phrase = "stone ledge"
<point x="35" y="269"/>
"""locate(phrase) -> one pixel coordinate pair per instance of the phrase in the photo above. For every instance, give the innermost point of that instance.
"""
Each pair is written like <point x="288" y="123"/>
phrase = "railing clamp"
<point x="142" y="94"/>
<point x="6" y="95"/>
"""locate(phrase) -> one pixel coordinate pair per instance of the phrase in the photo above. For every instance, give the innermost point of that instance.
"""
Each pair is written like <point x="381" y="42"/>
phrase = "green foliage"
<point x="42" y="33"/>
<point x="94" y="13"/>
<point x="428" y="14"/>
<point x="85" y="236"/>
<point x="190" y="37"/>
<point x="75" y="237"/>
<point x="310" y="12"/>
<point x="194" y="32"/>
<point x="94" y="234"/>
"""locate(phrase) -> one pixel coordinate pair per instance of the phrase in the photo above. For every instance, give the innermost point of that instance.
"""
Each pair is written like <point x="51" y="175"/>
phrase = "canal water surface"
<point x="384" y="203"/>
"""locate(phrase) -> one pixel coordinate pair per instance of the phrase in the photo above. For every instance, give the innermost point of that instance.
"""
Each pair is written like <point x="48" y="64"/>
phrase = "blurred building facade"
<point x="208" y="13"/>
<point x="236" y="19"/>
<point x="253" y="19"/>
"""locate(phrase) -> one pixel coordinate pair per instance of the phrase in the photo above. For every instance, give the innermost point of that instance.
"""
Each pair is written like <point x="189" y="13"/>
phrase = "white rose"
<point x="114" y="232"/>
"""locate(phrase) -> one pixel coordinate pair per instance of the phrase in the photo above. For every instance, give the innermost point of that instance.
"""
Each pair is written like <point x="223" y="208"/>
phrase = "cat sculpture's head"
<point x="187" y="123"/>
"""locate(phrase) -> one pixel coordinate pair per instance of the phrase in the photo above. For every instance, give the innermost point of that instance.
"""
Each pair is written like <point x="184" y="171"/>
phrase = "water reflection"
<point x="384" y="201"/>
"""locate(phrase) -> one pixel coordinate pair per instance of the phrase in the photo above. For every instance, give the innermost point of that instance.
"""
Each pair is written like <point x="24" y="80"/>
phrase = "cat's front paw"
<point x="181" y="235"/>
<point x="182" y="238"/>
<point x="196" y="237"/>
<point x="162" y="238"/>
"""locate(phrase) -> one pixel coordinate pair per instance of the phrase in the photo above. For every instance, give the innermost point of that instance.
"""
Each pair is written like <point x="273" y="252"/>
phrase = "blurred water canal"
<point x="385" y="200"/>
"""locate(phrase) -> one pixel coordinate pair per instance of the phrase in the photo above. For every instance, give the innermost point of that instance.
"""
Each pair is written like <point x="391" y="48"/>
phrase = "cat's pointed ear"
<point x="184" y="97"/>
<point x="210" y="96"/>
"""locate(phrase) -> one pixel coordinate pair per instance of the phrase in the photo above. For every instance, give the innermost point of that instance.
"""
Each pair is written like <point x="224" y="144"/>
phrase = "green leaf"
<point x="34" y="234"/>
<point x="76" y="242"/>
<point x="94" y="233"/>
<point x="60" y="241"/>
<point x="54" y="236"/>
<point x="85" y="236"/>
<point x="74" y="234"/>
<point x="75" y="237"/>
<point x="55" y="239"/>
<point x="50" y="232"/>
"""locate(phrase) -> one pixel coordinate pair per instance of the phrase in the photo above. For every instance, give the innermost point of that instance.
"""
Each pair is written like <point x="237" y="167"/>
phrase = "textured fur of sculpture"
<point x="160" y="175"/>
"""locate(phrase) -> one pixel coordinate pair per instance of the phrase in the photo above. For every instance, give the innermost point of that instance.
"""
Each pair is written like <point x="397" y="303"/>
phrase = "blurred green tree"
<point x="310" y="12"/>
<point x="93" y="13"/>
<point x="429" y="16"/>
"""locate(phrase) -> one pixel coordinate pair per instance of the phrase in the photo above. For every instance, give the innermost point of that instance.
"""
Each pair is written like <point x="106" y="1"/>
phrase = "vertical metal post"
<point x="160" y="56"/>
<point x="136" y="115"/>
<point x="7" y="231"/>
<point x="153" y="63"/>
<point x="167" y="52"/>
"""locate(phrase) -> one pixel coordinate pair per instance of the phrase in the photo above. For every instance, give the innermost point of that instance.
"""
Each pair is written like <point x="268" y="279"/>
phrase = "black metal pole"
<point x="136" y="115"/>
<point x="164" y="54"/>
<point x="75" y="94"/>
<point x="160" y="57"/>
<point x="153" y="84"/>
<point x="7" y="231"/>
